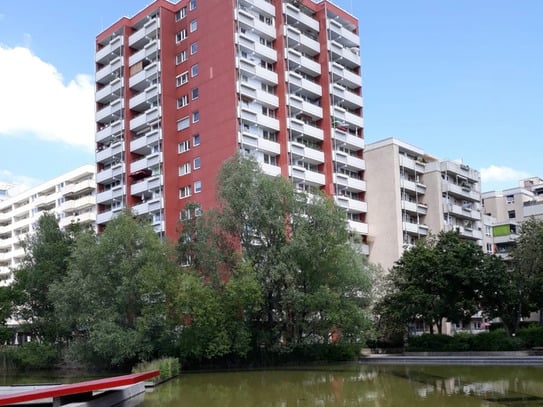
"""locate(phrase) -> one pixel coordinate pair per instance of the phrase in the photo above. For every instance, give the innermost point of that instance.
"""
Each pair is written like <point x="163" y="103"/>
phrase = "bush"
<point x="531" y="336"/>
<point x="429" y="343"/>
<point x="487" y="341"/>
<point x="33" y="356"/>
<point x="168" y="367"/>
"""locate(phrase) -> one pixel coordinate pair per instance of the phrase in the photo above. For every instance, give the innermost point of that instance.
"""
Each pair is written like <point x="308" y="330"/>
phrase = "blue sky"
<point x="461" y="79"/>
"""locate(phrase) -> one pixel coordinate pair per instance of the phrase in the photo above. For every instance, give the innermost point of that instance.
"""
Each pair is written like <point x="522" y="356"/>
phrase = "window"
<point x="196" y="140"/>
<point x="181" y="57"/>
<point x="195" y="117"/>
<point x="510" y="199"/>
<point x="180" y="14"/>
<point x="184" y="192"/>
<point x="193" y="25"/>
<point x="184" y="146"/>
<point x="194" y="70"/>
<point x="184" y="169"/>
<point x="182" y="101"/>
<point x="197" y="163"/>
<point x="195" y="93"/>
<point x="181" y="35"/>
<point x="270" y="159"/>
<point x="182" y="78"/>
<point x="183" y="123"/>
<point x="193" y="48"/>
<point x="192" y="5"/>
<point x="197" y="187"/>
<point x="511" y="214"/>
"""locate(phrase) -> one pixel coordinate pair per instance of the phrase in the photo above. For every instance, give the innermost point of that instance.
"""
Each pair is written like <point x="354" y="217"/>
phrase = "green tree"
<point x="440" y="278"/>
<point x="112" y="299"/>
<point x="46" y="260"/>
<point x="526" y="266"/>
<point x="313" y="282"/>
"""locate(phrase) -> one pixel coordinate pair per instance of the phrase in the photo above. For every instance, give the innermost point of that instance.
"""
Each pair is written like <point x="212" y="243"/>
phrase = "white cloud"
<point x="496" y="175"/>
<point x="16" y="183"/>
<point x="35" y="101"/>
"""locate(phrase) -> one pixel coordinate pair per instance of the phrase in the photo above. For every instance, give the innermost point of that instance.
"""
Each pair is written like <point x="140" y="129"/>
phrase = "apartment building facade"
<point x="182" y="87"/>
<point x="510" y="208"/>
<point x="411" y="193"/>
<point x="70" y="196"/>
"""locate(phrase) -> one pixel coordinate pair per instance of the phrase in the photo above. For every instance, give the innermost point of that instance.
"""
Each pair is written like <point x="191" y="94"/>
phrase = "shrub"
<point x="33" y="356"/>
<point x="429" y="343"/>
<point x="531" y="336"/>
<point x="168" y="368"/>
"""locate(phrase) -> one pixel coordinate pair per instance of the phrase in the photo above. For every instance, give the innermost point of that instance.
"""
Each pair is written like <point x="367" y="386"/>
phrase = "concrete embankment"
<point x="460" y="358"/>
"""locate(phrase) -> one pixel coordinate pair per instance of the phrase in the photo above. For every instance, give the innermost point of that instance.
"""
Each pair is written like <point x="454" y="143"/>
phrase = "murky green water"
<point x="356" y="385"/>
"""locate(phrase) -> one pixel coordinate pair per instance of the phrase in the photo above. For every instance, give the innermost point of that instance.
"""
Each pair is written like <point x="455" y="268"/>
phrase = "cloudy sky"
<point x="460" y="79"/>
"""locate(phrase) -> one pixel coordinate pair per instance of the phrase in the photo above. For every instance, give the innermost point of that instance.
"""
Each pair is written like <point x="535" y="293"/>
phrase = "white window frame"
<point x="197" y="187"/>
<point x="183" y="146"/>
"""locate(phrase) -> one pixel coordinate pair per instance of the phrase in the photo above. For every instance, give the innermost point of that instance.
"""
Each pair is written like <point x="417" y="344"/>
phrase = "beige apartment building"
<point x="70" y="196"/>
<point x="510" y="208"/>
<point x="411" y="194"/>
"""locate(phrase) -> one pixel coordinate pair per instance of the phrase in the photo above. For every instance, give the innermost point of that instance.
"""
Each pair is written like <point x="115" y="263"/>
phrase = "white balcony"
<point x="351" y="205"/>
<point x="146" y="98"/>
<point x="266" y="75"/>
<point x="349" y="183"/>
<point x="302" y="85"/>
<point x="147" y="162"/>
<point x="349" y="57"/>
<point x="110" y="72"/>
<point x="463" y="191"/>
<point x="350" y="161"/>
<point x="110" y="51"/>
<point x="305" y="64"/>
<point x="144" y="143"/>
<point x="109" y="131"/>
<point x="354" y="142"/>
<point x="86" y="217"/>
<point x="143" y="120"/>
<point x="259" y="6"/>
<point x="105" y="217"/>
<point x="246" y="19"/>
<point x="358" y="227"/>
<point x="345" y="77"/>
<point x="343" y="35"/>
<point x="297" y="40"/>
<point x="300" y="174"/>
<point x="146" y="33"/>
<point x="267" y="99"/>
<point x="150" y="206"/>
<point x="305" y="152"/>
<point x="346" y="97"/>
<point x="78" y="204"/>
<point x="150" y="52"/>
<point x="109" y="174"/>
<point x="411" y="164"/>
<point x="269" y="169"/>
<point x="114" y="149"/>
<point x="305" y="129"/>
<point x="110" y="112"/>
<point x="114" y="193"/>
<point x="260" y="143"/>
<point x="109" y="92"/>
<point x="296" y="15"/>
<point x="347" y="118"/>
<point x="140" y="80"/>
<point x="147" y="185"/>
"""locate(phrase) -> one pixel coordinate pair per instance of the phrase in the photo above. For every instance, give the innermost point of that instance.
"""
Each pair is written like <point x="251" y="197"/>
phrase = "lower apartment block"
<point x="411" y="194"/>
<point x="70" y="196"/>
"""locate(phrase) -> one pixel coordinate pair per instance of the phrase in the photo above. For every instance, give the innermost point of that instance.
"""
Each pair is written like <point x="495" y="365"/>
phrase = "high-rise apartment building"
<point x="181" y="87"/>
<point x="412" y="194"/>
<point x="71" y="197"/>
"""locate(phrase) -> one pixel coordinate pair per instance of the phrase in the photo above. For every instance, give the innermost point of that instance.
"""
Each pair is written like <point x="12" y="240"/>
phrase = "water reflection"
<point x="356" y="385"/>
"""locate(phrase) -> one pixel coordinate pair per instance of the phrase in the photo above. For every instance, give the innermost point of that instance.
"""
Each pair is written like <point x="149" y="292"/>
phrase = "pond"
<point x="356" y="385"/>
